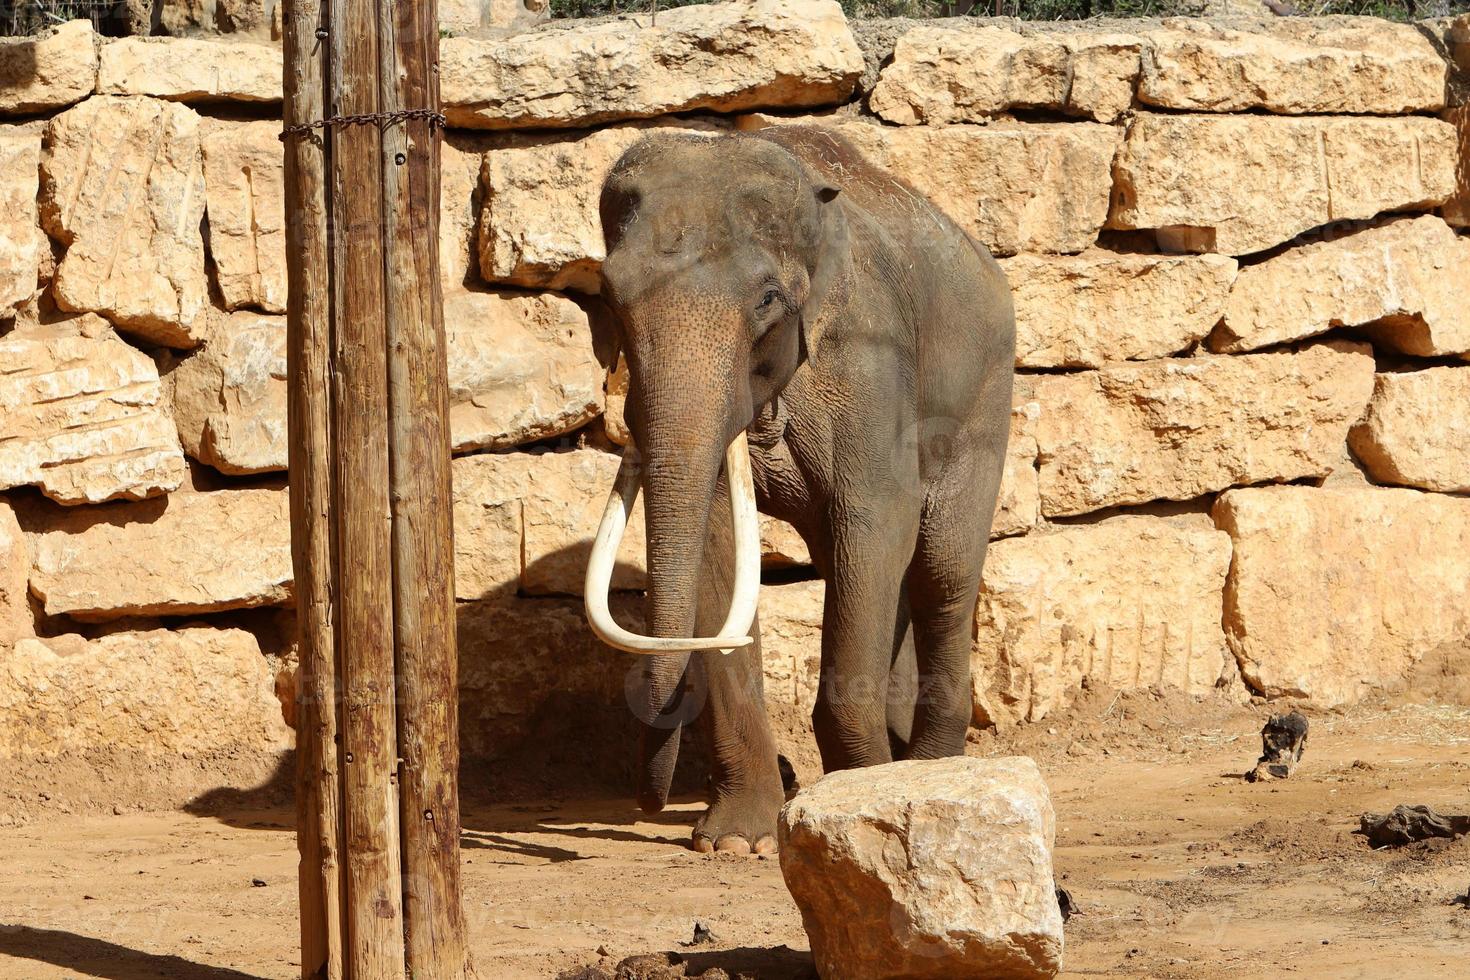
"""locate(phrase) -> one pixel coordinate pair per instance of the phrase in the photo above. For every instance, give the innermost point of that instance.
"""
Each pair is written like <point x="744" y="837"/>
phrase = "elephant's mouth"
<point x="747" y="580"/>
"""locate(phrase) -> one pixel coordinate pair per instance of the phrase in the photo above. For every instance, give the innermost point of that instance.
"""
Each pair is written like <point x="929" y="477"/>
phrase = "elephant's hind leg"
<point x="943" y="582"/>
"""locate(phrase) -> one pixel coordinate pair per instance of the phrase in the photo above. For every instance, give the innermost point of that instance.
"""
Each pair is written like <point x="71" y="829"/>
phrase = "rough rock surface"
<point x="1416" y="431"/>
<point x="1018" y="506"/>
<point x="791" y="642"/>
<point x="459" y="18"/>
<point x="942" y="75"/>
<point x="82" y="414"/>
<point x="22" y="245"/>
<point x="1130" y="602"/>
<point x="161" y="693"/>
<point x="229" y="397"/>
<point x="521" y="368"/>
<point x="460" y="159"/>
<point x="1240" y="184"/>
<point x="1457" y="209"/>
<point x="48" y="71"/>
<point x="181" y="555"/>
<point x="1356" y="65"/>
<point x="726" y="57"/>
<point x="1177" y="429"/>
<point x="1016" y="187"/>
<point x="185" y="18"/>
<point x="191" y="70"/>
<point x="16" y="620"/>
<point x="1330" y="594"/>
<point x="1405" y="278"/>
<point x="1086" y="310"/>
<point x="244" y="187"/>
<point x="539" y="225"/>
<point x="122" y="188"/>
<point x="939" y="868"/>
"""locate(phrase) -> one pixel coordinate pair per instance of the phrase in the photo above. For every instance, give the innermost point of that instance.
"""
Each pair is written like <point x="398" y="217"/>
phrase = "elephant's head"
<point x="720" y="252"/>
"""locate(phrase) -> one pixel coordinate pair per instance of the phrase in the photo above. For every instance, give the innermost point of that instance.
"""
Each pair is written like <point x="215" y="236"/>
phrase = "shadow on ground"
<point x="99" y="958"/>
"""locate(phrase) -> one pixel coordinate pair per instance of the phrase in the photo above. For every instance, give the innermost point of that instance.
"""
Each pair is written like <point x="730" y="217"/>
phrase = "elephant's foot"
<point x="740" y="822"/>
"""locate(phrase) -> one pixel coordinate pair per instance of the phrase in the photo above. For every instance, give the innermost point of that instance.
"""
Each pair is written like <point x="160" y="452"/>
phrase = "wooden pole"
<point x="378" y="805"/>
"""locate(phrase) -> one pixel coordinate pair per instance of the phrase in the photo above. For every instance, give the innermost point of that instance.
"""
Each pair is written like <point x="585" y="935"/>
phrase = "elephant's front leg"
<point x="745" y="778"/>
<point x="862" y="627"/>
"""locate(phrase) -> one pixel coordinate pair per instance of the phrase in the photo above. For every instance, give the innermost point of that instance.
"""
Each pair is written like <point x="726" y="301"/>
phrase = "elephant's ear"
<point x="606" y="341"/>
<point x="829" y="274"/>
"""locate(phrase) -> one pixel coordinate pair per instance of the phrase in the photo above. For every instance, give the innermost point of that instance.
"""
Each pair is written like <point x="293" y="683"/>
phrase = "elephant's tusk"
<point x="744" y="596"/>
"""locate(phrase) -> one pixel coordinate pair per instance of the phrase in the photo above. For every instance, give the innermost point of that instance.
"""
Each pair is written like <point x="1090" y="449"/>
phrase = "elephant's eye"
<point x="771" y="296"/>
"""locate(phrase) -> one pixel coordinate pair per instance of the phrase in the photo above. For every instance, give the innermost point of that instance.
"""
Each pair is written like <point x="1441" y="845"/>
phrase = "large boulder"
<point x="1086" y="310"/>
<point x="1014" y="186"/>
<point x="1127" y="603"/>
<point x="245" y="200"/>
<point x="1242" y="183"/>
<point x="16" y="620"/>
<point x="942" y="74"/>
<point x="141" y="699"/>
<point x="1336" y="592"/>
<point x="191" y="70"/>
<point x="181" y="555"/>
<point x="726" y="57"/>
<point x="82" y="414"/>
<point x="1416" y="431"/>
<point x="539" y="225"/>
<point x="122" y="188"/>
<point x="1403" y="281"/>
<point x="520" y="369"/>
<point x="1176" y="429"/>
<point x="1348" y="65"/>
<point x="933" y="869"/>
<point x="22" y="246"/>
<point x="49" y="70"/>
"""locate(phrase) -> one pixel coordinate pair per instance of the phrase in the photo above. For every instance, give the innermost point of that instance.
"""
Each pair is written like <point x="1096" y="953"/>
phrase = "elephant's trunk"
<point x="679" y="479"/>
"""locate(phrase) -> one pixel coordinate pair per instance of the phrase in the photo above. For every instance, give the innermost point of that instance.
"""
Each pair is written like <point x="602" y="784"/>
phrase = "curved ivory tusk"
<point x="744" y="595"/>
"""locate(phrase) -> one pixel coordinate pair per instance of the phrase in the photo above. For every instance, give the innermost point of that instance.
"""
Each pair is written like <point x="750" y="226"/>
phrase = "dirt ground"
<point x="1179" y="867"/>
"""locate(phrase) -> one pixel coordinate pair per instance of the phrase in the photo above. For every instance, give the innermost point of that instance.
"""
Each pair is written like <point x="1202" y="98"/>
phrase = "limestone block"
<point x="1336" y="592"/>
<point x="146" y="695"/>
<point x="930" y="869"/>
<point x="48" y="71"/>
<point x="1416" y="431"/>
<point x="16" y="620"/>
<point x="181" y="555"/>
<point x="244" y="186"/>
<point x="942" y="75"/>
<point x="1403" y="279"/>
<point x="22" y="246"/>
<point x="1296" y="66"/>
<point x="1130" y="602"/>
<point x="1086" y="310"/>
<point x="1240" y="184"/>
<point x="726" y="57"/>
<point x="1014" y="186"/>
<point x="191" y="69"/>
<point x="1179" y="428"/>
<point x="82" y="414"/>
<point x="122" y="188"/>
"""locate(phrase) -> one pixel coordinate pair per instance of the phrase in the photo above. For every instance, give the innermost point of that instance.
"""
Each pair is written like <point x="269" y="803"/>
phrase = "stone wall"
<point x="1239" y="455"/>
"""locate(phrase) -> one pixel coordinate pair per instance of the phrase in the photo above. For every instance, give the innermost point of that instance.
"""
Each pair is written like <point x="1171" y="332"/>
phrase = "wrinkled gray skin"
<point x="777" y="282"/>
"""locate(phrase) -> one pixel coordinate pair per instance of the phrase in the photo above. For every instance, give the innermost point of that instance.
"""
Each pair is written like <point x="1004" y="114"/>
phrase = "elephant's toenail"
<point x="703" y="844"/>
<point x="766" y="845"/>
<point x="733" y="844"/>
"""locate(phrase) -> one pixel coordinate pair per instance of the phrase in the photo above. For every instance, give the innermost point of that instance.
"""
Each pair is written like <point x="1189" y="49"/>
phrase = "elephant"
<point x="809" y="336"/>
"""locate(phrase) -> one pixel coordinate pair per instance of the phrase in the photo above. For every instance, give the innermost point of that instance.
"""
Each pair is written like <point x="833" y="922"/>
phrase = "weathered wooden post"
<point x="377" y="729"/>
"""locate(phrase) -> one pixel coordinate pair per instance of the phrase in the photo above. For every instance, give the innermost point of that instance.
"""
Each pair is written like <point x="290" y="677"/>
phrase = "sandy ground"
<point x="1180" y="868"/>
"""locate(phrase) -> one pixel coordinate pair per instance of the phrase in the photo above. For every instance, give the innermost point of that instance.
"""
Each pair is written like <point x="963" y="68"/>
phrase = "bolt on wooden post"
<point x="377" y="728"/>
